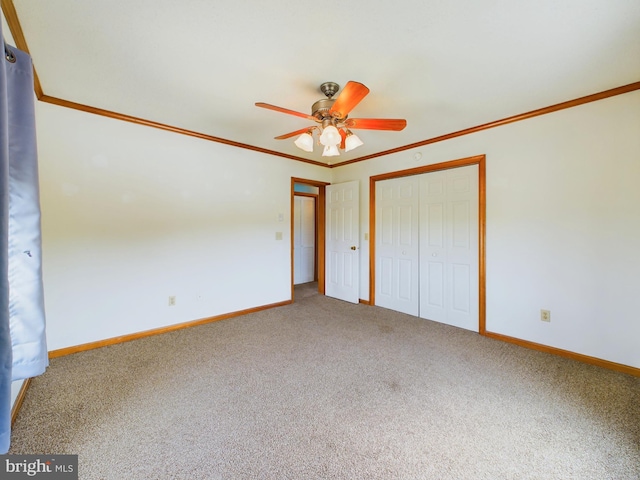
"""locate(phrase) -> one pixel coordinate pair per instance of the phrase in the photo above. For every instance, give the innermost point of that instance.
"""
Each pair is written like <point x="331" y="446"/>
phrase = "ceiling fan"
<point x="334" y="129"/>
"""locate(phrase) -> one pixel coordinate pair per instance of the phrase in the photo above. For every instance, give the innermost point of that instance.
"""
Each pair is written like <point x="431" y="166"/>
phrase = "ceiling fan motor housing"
<point x="329" y="88"/>
<point x="321" y="108"/>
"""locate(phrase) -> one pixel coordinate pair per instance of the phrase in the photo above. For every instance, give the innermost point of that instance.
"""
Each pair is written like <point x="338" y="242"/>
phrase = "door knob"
<point x="353" y="247"/>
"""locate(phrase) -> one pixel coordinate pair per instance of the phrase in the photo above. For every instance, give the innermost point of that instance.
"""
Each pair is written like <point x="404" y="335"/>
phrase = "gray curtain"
<point x="23" y="350"/>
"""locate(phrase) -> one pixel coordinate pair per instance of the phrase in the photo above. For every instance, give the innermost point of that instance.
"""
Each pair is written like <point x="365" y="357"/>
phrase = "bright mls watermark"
<point x="52" y="467"/>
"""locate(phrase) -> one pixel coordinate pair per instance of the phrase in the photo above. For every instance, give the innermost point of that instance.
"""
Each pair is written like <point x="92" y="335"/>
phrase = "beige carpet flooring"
<point x="322" y="389"/>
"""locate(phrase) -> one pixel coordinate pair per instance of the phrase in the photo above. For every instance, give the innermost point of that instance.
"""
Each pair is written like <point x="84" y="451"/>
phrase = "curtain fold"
<point x="5" y="335"/>
<point x="23" y="350"/>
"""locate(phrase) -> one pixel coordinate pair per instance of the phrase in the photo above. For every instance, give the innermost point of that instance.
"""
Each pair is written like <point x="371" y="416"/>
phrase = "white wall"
<point x="563" y="224"/>
<point x="15" y="390"/>
<point x="132" y="215"/>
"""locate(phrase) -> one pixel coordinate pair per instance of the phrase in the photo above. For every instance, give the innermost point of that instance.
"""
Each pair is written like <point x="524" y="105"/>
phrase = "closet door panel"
<point x="397" y="244"/>
<point x="449" y="247"/>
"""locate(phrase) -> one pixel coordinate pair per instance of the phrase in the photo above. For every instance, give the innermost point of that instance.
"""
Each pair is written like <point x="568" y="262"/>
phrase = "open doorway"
<point x="312" y="191"/>
<point x="305" y="233"/>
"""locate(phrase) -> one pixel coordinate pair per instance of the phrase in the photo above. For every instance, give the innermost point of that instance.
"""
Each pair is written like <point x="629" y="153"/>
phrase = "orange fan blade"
<point x="285" y="110"/>
<point x="293" y="134"/>
<point x="343" y="134"/>
<point x="395" y="124"/>
<point x="351" y="95"/>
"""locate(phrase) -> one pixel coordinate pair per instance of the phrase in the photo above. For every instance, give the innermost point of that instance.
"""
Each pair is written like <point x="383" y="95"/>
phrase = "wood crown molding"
<point x="150" y="123"/>
<point x="504" y="121"/>
<point x="16" y="30"/>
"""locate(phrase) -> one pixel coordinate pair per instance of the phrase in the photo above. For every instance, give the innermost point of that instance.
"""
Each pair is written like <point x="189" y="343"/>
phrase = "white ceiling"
<point x="444" y="65"/>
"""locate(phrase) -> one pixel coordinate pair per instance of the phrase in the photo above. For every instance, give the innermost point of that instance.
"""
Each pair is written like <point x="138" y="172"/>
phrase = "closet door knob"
<point x="353" y="247"/>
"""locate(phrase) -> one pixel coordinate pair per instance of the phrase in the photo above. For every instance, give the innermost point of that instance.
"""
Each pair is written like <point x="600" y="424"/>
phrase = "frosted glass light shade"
<point x="305" y="142"/>
<point x="352" y="141"/>
<point x="330" y="151"/>
<point x="330" y="136"/>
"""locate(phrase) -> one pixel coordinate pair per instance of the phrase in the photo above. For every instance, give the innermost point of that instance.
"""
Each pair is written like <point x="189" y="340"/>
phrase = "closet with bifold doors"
<point x="427" y="245"/>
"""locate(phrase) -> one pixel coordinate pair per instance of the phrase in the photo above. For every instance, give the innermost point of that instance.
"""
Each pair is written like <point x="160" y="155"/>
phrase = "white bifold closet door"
<point x="397" y="244"/>
<point x="304" y="239"/>
<point x="449" y="247"/>
<point x="427" y="246"/>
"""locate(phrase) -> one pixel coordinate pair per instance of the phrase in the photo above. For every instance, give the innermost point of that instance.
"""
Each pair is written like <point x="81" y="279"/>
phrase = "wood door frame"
<point x="320" y="228"/>
<point x="479" y="160"/>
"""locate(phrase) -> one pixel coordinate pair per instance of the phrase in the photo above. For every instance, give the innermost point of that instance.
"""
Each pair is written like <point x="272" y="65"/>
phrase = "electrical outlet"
<point x="545" y="315"/>
<point x="172" y="300"/>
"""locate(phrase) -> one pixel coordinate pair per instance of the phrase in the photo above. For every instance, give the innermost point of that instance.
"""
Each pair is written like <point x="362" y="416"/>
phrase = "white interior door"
<point x="342" y="242"/>
<point x="449" y="247"/>
<point x="304" y="239"/>
<point x="397" y="244"/>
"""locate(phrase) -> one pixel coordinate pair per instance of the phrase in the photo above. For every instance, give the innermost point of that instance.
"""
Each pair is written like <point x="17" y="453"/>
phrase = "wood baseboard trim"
<point x="17" y="405"/>
<point x="157" y="331"/>
<point x="364" y="302"/>
<point x="618" y="367"/>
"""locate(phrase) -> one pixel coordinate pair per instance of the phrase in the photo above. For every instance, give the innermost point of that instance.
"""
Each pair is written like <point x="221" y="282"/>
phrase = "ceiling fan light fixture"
<point x="305" y="142"/>
<point x="330" y="151"/>
<point x="330" y="136"/>
<point x="332" y="116"/>
<point x="352" y="141"/>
